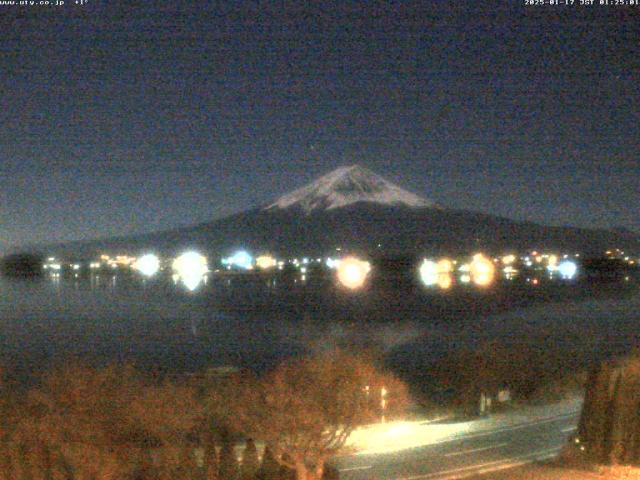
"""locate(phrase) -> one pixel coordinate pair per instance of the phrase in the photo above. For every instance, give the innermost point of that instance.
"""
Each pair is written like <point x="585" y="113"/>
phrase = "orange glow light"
<point x="445" y="281"/>
<point x="482" y="270"/>
<point x="352" y="272"/>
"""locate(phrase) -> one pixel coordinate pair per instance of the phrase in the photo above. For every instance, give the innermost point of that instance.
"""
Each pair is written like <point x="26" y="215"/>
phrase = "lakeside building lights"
<point x="148" y="265"/>
<point x="482" y="270"/>
<point x="352" y="272"/>
<point x="190" y="268"/>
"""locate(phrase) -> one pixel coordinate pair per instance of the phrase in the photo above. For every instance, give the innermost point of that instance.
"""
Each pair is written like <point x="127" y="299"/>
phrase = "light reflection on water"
<point x="103" y="318"/>
<point x="154" y="322"/>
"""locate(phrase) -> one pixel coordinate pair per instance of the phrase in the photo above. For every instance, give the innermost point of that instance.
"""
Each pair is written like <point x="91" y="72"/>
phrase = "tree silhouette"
<point x="609" y="426"/>
<point x="250" y="461"/>
<point x="306" y="408"/>
<point x="22" y="265"/>
<point x="269" y="468"/>
<point x="83" y="423"/>
<point x="228" y="469"/>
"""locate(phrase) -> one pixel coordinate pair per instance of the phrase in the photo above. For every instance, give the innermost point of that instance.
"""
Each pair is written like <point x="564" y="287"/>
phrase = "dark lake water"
<point x="156" y="324"/>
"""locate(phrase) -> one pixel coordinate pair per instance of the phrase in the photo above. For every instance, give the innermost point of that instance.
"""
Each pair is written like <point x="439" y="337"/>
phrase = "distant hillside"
<point x="354" y="209"/>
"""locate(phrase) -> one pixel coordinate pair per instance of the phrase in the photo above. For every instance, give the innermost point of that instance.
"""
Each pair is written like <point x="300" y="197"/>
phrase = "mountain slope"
<point x="362" y="227"/>
<point x="354" y="209"/>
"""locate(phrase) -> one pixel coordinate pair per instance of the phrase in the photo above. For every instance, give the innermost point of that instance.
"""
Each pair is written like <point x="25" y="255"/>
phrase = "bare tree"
<point x="82" y="423"/>
<point x="306" y="408"/>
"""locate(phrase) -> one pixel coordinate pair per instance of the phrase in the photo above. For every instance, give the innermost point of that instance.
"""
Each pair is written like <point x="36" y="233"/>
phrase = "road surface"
<point x="496" y="444"/>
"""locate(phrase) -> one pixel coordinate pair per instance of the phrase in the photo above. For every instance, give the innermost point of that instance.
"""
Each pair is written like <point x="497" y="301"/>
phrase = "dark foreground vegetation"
<point x="524" y="372"/>
<point x="21" y="265"/>
<point x="81" y="423"/>
<point x="607" y="444"/>
<point x="609" y="429"/>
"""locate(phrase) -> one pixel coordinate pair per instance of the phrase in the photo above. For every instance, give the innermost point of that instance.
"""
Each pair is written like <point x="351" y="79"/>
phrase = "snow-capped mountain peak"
<point x="348" y="185"/>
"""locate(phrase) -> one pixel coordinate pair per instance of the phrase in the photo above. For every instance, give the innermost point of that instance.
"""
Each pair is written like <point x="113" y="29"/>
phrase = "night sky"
<point x="127" y="117"/>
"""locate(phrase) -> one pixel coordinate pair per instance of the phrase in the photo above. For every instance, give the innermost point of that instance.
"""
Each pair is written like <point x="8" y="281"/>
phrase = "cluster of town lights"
<point x="437" y="273"/>
<point x="481" y="271"/>
<point x="191" y="268"/>
<point x="265" y="262"/>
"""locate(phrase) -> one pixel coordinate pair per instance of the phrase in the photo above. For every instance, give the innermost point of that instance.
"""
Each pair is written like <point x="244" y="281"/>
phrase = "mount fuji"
<point x="354" y="209"/>
<point x="346" y="186"/>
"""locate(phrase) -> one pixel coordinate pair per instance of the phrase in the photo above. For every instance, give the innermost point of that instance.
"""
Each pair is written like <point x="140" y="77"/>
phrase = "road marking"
<point x="505" y="463"/>
<point x="510" y="428"/>
<point x="481" y="449"/>
<point x="353" y="469"/>
<point x="569" y="429"/>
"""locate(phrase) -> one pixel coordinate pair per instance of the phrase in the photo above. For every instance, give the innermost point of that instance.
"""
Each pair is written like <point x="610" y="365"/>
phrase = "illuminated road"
<point x="468" y="453"/>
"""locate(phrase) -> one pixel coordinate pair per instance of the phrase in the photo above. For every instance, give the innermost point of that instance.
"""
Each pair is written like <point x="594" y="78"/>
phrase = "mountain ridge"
<point x="352" y="208"/>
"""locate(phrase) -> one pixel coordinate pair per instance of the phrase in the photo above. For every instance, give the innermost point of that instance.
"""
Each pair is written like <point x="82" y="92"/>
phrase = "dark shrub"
<point x="21" y="265"/>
